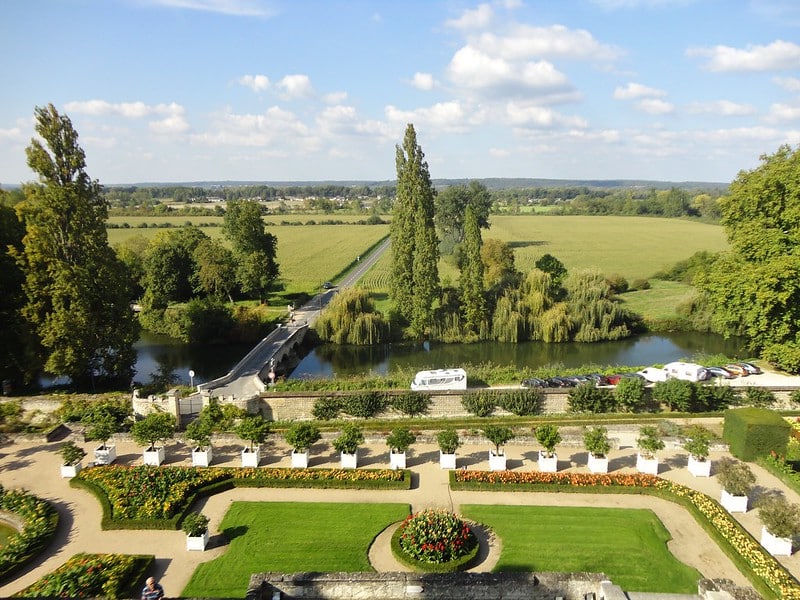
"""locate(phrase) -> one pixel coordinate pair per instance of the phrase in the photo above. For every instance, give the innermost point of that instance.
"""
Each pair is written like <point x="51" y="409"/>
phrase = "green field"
<point x="291" y="537"/>
<point x="660" y="301"/>
<point x="628" y="545"/>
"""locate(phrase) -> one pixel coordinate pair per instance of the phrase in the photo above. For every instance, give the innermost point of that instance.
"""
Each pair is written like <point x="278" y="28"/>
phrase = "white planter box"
<point x="447" y="461"/>
<point x="497" y="462"/>
<point x="699" y="468"/>
<point x="733" y="503"/>
<point x="251" y="459"/>
<point x="105" y="456"/>
<point x="397" y="460"/>
<point x="154" y="457"/>
<point x="349" y="461"/>
<point x="548" y="464"/>
<point x="777" y="546"/>
<point x="71" y="470"/>
<point x="202" y="458"/>
<point x="647" y="465"/>
<point x="300" y="460"/>
<point x="197" y="543"/>
<point x="597" y="464"/>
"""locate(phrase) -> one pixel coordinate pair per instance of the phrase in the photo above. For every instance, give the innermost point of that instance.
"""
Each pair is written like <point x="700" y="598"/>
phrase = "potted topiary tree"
<point x="697" y="444"/>
<point x="448" y="444"/>
<point x="154" y="428"/>
<point x="350" y="438"/>
<point x="102" y="423"/>
<point x="649" y="443"/>
<point x="736" y="479"/>
<point x="781" y="524"/>
<point x="399" y="440"/>
<point x="71" y="455"/>
<point x="195" y="525"/>
<point x="254" y="430"/>
<point x="498" y="436"/>
<point x="549" y="437"/>
<point x="198" y="432"/>
<point x="597" y="445"/>
<point x="301" y="436"/>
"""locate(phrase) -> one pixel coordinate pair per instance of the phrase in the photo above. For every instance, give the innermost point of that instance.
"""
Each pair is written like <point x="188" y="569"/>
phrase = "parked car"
<point x="737" y="370"/>
<point x="614" y="379"/>
<point x="598" y="379"/>
<point x="576" y="380"/>
<point x="750" y="368"/>
<point x="533" y="382"/>
<point x="559" y="382"/>
<point x="327" y="285"/>
<point x="720" y="372"/>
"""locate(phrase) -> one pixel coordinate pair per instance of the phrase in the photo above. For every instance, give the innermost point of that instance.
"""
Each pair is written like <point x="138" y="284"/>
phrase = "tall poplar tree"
<point x="78" y="293"/>
<point x="415" y="252"/>
<point x="472" y="299"/>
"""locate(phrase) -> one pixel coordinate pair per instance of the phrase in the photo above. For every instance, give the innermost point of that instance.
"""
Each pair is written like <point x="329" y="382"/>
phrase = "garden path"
<point x="35" y="467"/>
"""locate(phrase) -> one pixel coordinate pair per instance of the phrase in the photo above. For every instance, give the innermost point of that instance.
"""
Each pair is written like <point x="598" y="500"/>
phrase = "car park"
<point x="720" y="372"/>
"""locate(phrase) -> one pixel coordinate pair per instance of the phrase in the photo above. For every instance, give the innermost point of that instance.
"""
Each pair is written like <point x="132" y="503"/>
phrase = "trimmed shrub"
<point x="755" y="432"/>
<point x="630" y="393"/>
<point x="480" y="404"/>
<point x="521" y="402"/>
<point x="588" y="398"/>
<point x="677" y="394"/>
<point x="326" y="408"/>
<point x="715" y="397"/>
<point x="364" y="404"/>
<point x="411" y="403"/>
<point x="759" y="397"/>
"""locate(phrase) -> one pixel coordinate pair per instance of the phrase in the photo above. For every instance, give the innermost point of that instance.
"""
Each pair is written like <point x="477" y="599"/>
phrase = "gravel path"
<point x="35" y="467"/>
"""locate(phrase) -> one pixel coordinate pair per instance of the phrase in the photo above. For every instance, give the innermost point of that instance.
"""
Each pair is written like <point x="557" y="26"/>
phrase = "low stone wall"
<point x="430" y="586"/>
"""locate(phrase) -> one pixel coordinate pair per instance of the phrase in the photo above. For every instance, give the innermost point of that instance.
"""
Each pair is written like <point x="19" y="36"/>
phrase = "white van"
<point x="686" y="371"/>
<point x="653" y="374"/>
<point x="440" y="379"/>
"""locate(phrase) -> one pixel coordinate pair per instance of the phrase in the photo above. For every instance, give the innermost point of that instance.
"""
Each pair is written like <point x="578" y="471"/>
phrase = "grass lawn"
<point x="291" y="537"/>
<point x="629" y="546"/>
<point x="660" y="301"/>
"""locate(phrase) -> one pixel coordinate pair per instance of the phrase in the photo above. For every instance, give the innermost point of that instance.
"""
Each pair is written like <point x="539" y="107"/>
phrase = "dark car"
<point x="576" y="380"/>
<point x="750" y="368"/>
<point x="533" y="382"/>
<point x="720" y="372"/>
<point x="327" y="285"/>
<point x="598" y="379"/>
<point x="559" y="382"/>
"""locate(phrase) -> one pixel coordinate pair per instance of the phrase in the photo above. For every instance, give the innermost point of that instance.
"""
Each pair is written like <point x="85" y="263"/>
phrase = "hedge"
<point x="40" y="523"/>
<point x="755" y="432"/>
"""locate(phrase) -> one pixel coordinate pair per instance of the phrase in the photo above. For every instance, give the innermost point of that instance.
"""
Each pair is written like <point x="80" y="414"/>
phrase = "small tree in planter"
<point x="195" y="526"/>
<point x="736" y="479"/>
<point x="781" y="523"/>
<point x="347" y="445"/>
<point x="154" y="428"/>
<point x="198" y="432"/>
<point x="71" y="455"/>
<point x="399" y="440"/>
<point x="649" y="443"/>
<point x="697" y="445"/>
<point x="597" y="444"/>
<point x="102" y="424"/>
<point x="253" y="430"/>
<point x="301" y="436"/>
<point x="548" y="436"/>
<point x="448" y="444"/>
<point x="498" y="436"/>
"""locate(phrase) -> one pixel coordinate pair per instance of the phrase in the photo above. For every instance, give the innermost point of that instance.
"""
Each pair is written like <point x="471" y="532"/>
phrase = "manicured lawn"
<point x="660" y="301"/>
<point x="291" y="537"/>
<point x="629" y="546"/>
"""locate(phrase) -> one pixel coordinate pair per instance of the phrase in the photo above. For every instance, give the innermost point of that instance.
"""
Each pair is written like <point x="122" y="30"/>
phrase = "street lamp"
<point x="191" y="378"/>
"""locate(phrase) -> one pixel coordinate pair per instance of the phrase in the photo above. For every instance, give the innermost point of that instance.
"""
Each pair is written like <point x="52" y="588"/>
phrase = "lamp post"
<point x="191" y="378"/>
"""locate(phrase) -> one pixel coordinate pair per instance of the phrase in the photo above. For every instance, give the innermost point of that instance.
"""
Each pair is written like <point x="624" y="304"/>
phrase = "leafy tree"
<point x="351" y="318"/>
<point x="779" y="516"/>
<point x="253" y="429"/>
<point x="498" y="264"/>
<point x="677" y="394"/>
<point x="216" y="269"/>
<point x="350" y="438"/>
<point x="155" y="427"/>
<point x="301" y="436"/>
<point x="698" y="441"/>
<point x="170" y="270"/>
<point x="649" y="441"/>
<point x="473" y="303"/>
<point x="415" y="254"/>
<point x="400" y="439"/>
<point x="735" y="477"/>
<point x="588" y="398"/>
<point x="550" y="264"/>
<point x="254" y="248"/>
<point x="199" y="433"/>
<point x="548" y="436"/>
<point x="630" y="393"/>
<point x="754" y="289"/>
<point x="596" y="441"/>
<point x="451" y="206"/>
<point x="77" y="291"/>
<point x="256" y="272"/>
<point x="498" y="436"/>
<point x="448" y="441"/>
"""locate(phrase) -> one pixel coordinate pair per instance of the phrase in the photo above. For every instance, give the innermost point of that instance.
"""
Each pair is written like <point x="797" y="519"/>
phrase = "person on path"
<point x="152" y="590"/>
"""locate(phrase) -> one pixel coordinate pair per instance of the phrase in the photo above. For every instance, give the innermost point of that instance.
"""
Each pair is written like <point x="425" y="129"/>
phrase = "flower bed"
<point x="92" y="576"/>
<point x="766" y="574"/>
<point x="435" y="541"/>
<point x="145" y="497"/>
<point x="40" y="521"/>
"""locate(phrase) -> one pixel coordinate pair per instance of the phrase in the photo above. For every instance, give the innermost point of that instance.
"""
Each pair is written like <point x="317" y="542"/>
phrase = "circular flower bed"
<point x="435" y="540"/>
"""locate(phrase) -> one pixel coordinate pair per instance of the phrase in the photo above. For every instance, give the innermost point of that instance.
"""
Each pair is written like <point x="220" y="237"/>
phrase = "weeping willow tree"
<point x="596" y="314"/>
<point x="351" y="318"/>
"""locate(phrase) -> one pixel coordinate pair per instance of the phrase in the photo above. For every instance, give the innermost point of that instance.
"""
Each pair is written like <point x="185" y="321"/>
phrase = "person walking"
<point x="152" y="590"/>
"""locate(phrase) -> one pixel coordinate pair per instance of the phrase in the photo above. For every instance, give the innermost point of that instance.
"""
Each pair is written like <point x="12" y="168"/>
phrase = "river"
<point x="330" y="361"/>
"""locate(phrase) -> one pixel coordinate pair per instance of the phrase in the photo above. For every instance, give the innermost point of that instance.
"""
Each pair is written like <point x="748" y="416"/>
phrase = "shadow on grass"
<point x="231" y="533"/>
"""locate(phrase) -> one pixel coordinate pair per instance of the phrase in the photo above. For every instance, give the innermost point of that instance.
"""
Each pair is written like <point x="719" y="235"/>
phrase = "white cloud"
<point x="238" y="8"/>
<point x="528" y="41"/>
<point x="778" y="55"/>
<point x="476" y="18"/>
<point x="634" y="4"/>
<point x="637" y="90"/>
<point x="256" y="83"/>
<point x="473" y="69"/>
<point x="442" y="116"/>
<point x="296" y="86"/>
<point x="335" y="97"/>
<point x="13" y="134"/>
<point x="172" y="124"/>
<point x="499" y="152"/>
<point x="723" y="108"/>
<point x="540" y="117"/>
<point x="791" y="84"/>
<point x="783" y="113"/>
<point x="423" y="81"/>
<point x="129" y="110"/>
<point x="654" y="106"/>
<point x="275" y="127"/>
<point x="344" y="120"/>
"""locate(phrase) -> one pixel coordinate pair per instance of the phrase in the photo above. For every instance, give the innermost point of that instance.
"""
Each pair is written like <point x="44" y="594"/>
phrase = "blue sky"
<point x="280" y="90"/>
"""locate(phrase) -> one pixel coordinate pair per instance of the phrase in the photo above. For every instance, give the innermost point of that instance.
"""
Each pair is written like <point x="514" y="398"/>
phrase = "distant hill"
<point x="492" y="183"/>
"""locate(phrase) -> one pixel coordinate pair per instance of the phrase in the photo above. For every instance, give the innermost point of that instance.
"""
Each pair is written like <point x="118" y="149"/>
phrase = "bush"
<point x="435" y="536"/>
<point x="155" y="427"/>
<point x="301" y="436"/>
<point x="326" y="408"/>
<point x="649" y="441"/>
<point x="715" y="397"/>
<point x="735" y="477"/>
<point x="253" y="429"/>
<point x="759" y="397"/>
<point x="448" y="441"/>
<point x="349" y="439"/>
<point x="521" y="402"/>
<point x="675" y="393"/>
<point x="498" y="436"/>
<point x="195" y="524"/>
<point x="198" y="432"/>
<point x="588" y="398"/>
<point x="596" y="441"/>
<point x="640" y="284"/>
<point x="480" y="404"/>
<point x="71" y="454"/>
<point x="779" y="516"/>
<point x="617" y="283"/>
<point x="630" y="393"/>
<point x="411" y="403"/>
<point x="400" y="439"/>
<point x="698" y="441"/>
<point x="365" y="404"/>
<point x="548" y="436"/>
<point x="755" y="432"/>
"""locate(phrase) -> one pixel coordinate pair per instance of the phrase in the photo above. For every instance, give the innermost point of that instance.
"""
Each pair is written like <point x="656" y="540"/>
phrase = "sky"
<point x="320" y="90"/>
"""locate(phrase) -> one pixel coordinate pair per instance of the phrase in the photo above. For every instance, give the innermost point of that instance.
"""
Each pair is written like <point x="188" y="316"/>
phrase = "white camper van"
<point x="440" y="379"/>
<point x="686" y="371"/>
